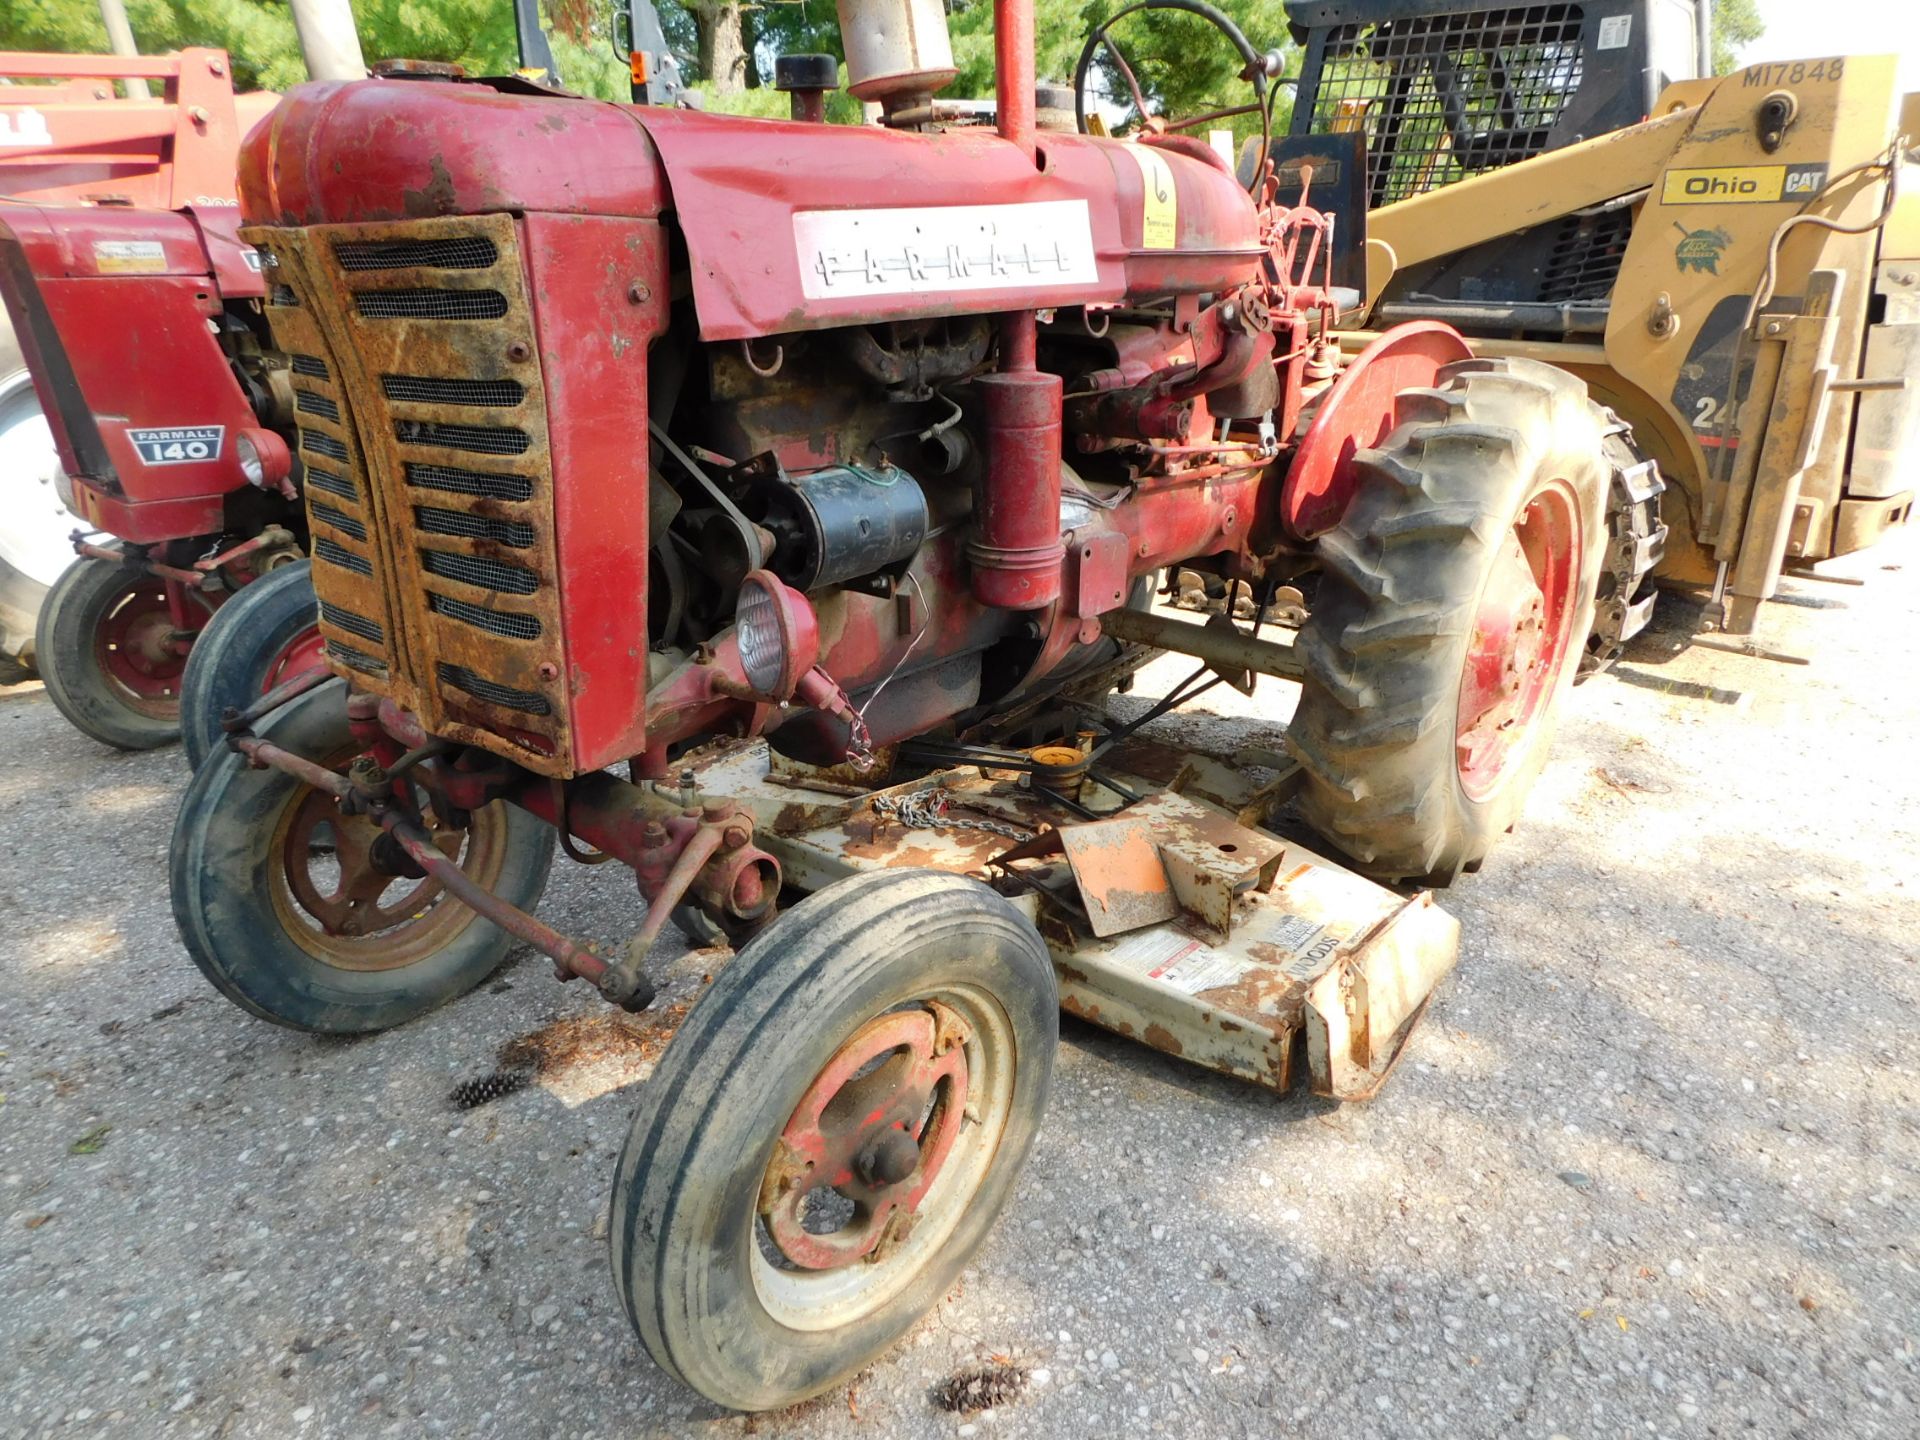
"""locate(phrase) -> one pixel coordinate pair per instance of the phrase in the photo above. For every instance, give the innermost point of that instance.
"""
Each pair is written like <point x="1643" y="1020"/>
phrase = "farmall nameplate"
<point x="944" y="249"/>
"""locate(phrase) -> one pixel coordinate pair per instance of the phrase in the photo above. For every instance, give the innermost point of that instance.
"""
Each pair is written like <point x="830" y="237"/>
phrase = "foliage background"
<point x="726" y="47"/>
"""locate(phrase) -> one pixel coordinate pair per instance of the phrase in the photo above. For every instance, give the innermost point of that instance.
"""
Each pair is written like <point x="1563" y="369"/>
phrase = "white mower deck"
<point x="1172" y="922"/>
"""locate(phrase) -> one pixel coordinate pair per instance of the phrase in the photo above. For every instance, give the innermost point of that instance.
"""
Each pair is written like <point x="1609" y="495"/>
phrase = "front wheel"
<point x="267" y="633"/>
<point x="284" y="903"/>
<point x="832" y="1133"/>
<point x="111" y="646"/>
<point x="1457" y="597"/>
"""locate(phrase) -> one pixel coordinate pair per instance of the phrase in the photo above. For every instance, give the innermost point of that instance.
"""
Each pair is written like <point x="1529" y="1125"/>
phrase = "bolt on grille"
<point x="509" y="623"/>
<point x="480" y="439"/>
<point x="308" y="403"/>
<point x="339" y="519"/>
<point x="311" y="366"/>
<point x="492" y="575"/>
<point x="1446" y="96"/>
<point x="492" y="691"/>
<point x="334" y="553"/>
<point x="435" y="521"/>
<point x="460" y="252"/>
<point x="331" y="483"/>
<point x="353" y="624"/>
<point x="469" y="482"/>
<point x="430" y="304"/>
<point x="435" y="390"/>
<point x="319" y="443"/>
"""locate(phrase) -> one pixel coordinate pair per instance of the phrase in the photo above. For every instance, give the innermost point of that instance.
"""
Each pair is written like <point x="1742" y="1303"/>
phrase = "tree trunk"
<point x="723" y="59"/>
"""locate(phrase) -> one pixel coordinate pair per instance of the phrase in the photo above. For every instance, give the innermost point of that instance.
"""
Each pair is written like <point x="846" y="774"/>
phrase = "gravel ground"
<point x="1648" y="1169"/>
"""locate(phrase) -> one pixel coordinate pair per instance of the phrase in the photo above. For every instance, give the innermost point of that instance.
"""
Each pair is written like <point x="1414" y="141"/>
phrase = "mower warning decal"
<point x="1742" y="184"/>
<point x="178" y="444"/>
<point x="941" y="249"/>
<point x="1160" y="214"/>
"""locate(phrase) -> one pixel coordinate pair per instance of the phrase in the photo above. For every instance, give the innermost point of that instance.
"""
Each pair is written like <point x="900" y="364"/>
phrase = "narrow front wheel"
<point x="267" y="633"/>
<point x="832" y="1133"/>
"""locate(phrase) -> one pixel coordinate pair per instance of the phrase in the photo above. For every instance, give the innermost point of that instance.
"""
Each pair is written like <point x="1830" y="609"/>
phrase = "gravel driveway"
<point x="1648" y="1170"/>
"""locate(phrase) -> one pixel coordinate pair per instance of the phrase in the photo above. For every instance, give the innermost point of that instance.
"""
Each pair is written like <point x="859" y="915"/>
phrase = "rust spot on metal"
<point x="1161" y="1038"/>
<point x="1071" y="973"/>
<point x="436" y="197"/>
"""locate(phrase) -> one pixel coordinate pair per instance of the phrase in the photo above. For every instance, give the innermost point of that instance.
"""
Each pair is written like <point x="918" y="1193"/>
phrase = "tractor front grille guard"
<point x="423" y="427"/>
<point x="1442" y="97"/>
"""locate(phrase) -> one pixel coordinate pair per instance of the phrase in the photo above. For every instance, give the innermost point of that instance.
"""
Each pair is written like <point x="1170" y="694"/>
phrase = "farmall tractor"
<point x="771" y="506"/>
<point x="139" y="314"/>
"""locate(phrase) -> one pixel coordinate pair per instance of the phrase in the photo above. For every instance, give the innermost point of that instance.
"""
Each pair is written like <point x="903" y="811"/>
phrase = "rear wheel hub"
<point x="1521" y="631"/>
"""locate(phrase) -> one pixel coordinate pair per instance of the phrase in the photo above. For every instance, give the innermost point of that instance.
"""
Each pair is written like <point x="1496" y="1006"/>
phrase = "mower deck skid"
<point x="1170" y="922"/>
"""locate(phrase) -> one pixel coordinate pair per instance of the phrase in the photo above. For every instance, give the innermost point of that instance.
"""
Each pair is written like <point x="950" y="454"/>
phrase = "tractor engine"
<point x="625" y="427"/>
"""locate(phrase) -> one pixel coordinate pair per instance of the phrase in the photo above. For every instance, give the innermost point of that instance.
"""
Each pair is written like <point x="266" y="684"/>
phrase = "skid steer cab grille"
<point x="1442" y="97"/>
<point x="423" y="426"/>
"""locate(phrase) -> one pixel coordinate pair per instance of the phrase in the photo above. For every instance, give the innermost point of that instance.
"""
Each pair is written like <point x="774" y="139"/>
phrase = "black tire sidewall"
<point x="689" y="1178"/>
<point x="223" y="906"/>
<point x="75" y="608"/>
<point x="231" y="659"/>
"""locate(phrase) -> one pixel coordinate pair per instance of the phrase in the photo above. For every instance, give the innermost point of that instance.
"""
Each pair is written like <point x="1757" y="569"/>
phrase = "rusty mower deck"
<point x="1171" y="918"/>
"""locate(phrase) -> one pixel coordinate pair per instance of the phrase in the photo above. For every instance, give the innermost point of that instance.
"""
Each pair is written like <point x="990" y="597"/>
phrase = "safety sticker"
<point x="129" y="257"/>
<point x="1178" y="960"/>
<point x="1159" y="220"/>
<point x="25" y="127"/>
<point x="1615" y="31"/>
<point x="1742" y="184"/>
<point x="178" y="444"/>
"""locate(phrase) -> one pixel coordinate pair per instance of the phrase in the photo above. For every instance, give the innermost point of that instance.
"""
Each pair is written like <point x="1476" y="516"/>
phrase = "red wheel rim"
<point x="1521" y="634"/>
<point x="140" y="645"/>
<point x="870" y="1136"/>
<point x="306" y="651"/>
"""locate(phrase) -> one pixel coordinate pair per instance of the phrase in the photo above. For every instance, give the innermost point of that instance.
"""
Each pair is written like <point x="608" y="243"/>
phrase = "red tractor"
<point x="770" y="506"/>
<point x="139" y="314"/>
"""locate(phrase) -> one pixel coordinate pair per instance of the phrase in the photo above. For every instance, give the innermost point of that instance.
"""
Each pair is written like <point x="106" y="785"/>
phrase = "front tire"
<point x="268" y="632"/>
<point x="105" y="648"/>
<point x="915" y="1005"/>
<point x="1455" y="605"/>
<point x="278" y="906"/>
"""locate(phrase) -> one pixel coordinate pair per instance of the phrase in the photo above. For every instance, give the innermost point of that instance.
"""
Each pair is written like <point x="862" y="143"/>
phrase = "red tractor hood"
<point x="787" y="226"/>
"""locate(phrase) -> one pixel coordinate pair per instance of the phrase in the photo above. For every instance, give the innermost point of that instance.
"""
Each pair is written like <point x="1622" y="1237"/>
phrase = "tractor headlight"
<point x="263" y="458"/>
<point x="777" y="635"/>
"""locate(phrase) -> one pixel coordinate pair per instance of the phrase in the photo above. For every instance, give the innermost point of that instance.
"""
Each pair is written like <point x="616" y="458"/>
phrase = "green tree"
<point x="1736" y="24"/>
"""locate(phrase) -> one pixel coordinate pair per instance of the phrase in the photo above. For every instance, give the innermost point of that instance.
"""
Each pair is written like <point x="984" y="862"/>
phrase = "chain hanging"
<point x="933" y="810"/>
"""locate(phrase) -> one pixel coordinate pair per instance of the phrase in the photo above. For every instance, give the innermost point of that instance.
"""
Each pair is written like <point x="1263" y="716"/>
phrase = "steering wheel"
<point x="1257" y="70"/>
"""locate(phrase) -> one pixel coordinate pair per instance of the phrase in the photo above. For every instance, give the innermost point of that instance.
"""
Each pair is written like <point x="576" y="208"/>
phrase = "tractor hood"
<point x="787" y="226"/>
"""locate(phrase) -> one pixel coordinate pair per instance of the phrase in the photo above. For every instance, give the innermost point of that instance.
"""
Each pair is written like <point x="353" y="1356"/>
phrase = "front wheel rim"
<point x="831" y="1241"/>
<point x="336" y="905"/>
<point x="1522" y="629"/>
<point x="136" y="646"/>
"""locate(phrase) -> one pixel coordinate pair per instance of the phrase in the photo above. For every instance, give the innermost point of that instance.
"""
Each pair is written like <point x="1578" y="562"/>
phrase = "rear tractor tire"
<point x="266" y="634"/>
<point x="831" y="1134"/>
<point x="280" y="902"/>
<point x="106" y="648"/>
<point x="1457" y="598"/>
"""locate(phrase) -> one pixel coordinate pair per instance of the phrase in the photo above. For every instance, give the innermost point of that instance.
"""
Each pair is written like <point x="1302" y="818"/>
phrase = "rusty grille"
<point x="441" y="454"/>
<point x="1442" y="97"/>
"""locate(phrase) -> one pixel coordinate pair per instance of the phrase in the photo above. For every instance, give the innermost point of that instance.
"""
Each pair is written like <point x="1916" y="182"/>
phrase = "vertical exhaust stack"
<point x="898" y="51"/>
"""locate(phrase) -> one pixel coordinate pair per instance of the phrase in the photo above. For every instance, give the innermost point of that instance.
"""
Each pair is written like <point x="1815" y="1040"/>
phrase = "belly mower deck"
<point x="1172" y="921"/>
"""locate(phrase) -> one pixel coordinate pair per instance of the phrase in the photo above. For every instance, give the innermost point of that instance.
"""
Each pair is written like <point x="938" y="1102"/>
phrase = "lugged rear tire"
<point x="1407" y="574"/>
